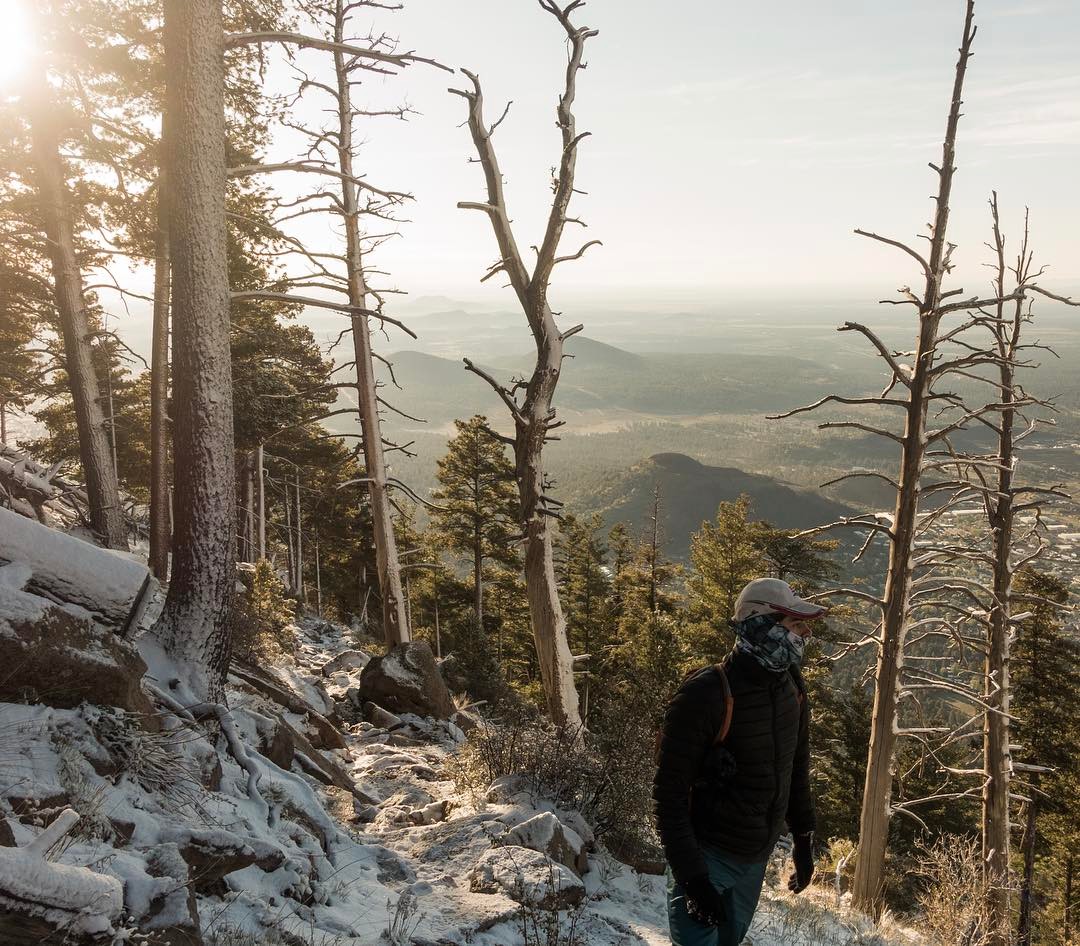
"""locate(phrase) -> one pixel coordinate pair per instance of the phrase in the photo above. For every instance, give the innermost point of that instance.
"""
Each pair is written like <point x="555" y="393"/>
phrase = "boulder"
<point x="507" y="789"/>
<point x="58" y="657"/>
<point x="466" y="722"/>
<point x="407" y="680"/>
<point x="548" y="835"/>
<point x="109" y="588"/>
<point x="173" y="915"/>
<point x="325" y="734"/>
<point x="527" y="877"/>
<point x="346" y="660"/>
<point x="378" y="717"/>
<point x="211" y="854"/>
<point x="430" y="814"/>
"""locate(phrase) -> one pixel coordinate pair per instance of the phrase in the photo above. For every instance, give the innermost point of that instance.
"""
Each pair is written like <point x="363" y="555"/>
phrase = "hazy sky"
<point x="736" y="145"/>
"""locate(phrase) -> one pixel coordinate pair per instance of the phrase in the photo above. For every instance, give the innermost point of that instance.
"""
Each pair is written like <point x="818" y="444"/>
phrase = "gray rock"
<point x="546" y="834"/>
<point x="526" y="876"/>
<point x="407" y="680"/>
<point x="346" y="660"/>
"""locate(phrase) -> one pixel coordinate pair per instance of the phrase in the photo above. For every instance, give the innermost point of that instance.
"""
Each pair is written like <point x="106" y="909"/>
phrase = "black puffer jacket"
<point x="769" y="741"/>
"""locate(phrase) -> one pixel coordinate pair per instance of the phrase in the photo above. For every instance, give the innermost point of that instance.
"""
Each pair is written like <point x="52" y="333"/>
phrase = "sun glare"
<point x="14" y="42"/>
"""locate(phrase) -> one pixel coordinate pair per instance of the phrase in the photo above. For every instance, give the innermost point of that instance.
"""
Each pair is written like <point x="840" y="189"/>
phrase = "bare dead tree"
<point x="395" y="618"/>
<point x="530" y="402"/>
<point x="332" y="156"/>
<point x="1002" y="506"/>
<point x="915" y="383"/>
<point x="194" y="625"/>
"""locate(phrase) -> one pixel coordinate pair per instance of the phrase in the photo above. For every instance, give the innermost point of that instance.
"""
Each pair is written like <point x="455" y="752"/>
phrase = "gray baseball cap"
<point x="773" y="596"/>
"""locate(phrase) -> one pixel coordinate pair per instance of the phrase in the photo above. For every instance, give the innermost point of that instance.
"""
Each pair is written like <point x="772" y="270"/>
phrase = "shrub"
<point x="607" y="780"/>
<point x="953" y="903"/>
<point x="262" y="615"/>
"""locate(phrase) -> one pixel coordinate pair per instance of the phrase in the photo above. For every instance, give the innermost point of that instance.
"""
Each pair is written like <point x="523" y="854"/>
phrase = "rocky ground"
<point x="317" y="810"/>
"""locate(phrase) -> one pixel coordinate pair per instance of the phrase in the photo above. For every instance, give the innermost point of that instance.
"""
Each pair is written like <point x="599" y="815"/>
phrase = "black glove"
<point x="704" y="903"/>
<point x="802" y="856"/>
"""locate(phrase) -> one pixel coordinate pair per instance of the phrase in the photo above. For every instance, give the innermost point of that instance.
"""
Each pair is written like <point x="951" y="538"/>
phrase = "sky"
<point x="735" y="146"/>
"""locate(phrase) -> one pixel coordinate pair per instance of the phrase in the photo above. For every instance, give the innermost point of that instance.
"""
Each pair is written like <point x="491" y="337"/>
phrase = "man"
<point x="733" y="765"/>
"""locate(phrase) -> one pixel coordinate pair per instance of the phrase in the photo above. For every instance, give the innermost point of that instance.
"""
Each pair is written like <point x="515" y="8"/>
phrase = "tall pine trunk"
<point x="1027" y="886"/>
<point x="194" y="625"/>
<point x="95" y="450"/>
<point x="394" y="617"/>
<point x="160" y="533"/>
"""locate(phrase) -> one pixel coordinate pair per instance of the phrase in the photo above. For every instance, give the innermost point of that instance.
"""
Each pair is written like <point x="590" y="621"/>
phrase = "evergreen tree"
<point x="1045" y="676"/>
<point x="724" y="555"/>
<point x="24" y="302"/>
<point x="477" y="499"/>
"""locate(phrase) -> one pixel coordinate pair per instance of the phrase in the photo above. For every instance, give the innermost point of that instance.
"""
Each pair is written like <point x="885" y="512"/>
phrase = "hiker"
<point x="733" y="765"/>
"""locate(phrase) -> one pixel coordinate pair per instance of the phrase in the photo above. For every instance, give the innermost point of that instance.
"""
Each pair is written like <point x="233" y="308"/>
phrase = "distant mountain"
<point x="438" y="389"/>
<point x="588" y="355"/>
<point x="692" y="491"/>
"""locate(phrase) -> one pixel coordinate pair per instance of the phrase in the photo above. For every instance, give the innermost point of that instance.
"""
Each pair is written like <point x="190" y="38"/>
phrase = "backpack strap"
<point x="729" y="705"/>
<point x="800" y="684"/>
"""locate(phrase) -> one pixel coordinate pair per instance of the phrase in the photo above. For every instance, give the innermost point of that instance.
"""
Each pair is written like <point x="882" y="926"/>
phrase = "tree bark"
<point x="997" y="757"/>
<point x="95" y="452"/>
<point x="194" y="625"/>
<point x="299" y="545"/>
<point x="394" y="617"/>
<point x="160" y="533"/>
<point x="876" y="811"/>
<point x="260" y="493"/>
<point x="1027" y="887"/>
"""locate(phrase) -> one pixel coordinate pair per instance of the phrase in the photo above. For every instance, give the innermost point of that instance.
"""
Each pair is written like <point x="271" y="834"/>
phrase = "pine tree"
<point x="1045" y="673"/>
<point x="585" y="585"/>
<point x="724" y="554"/>
<point x="477" y="503"/>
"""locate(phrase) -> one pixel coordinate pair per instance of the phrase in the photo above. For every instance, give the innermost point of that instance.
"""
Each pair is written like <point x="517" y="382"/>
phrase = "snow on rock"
<point x="407" y="680"/>
<point x="546" y="834"/>
<point x="112" y="588"/>
<point x="346" y="660"/>
<point x="64" y="658"/>
<point x="526" y="876"/>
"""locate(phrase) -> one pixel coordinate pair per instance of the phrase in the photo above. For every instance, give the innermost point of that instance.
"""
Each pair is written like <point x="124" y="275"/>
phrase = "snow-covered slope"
<point x="403" y="859"/>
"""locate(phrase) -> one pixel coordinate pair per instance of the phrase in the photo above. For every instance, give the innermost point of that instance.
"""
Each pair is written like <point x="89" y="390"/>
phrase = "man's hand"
<point x="802" y="857"/>
<point x="704" y="903"/>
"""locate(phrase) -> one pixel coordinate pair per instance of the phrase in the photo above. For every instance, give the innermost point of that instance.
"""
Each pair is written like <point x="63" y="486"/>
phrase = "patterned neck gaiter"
<point x="772" y="645"/>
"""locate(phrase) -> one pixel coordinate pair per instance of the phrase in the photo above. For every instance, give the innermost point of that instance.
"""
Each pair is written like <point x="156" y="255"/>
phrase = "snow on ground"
<point x="329" y="869"/>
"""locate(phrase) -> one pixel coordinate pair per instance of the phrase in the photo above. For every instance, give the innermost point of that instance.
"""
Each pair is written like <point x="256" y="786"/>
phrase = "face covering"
<point x="771" y="644"/>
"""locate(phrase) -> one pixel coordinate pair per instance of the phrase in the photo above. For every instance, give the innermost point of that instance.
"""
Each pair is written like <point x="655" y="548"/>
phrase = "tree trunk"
<point x="260" y="492"/>
<point x="299" y="545"/>
<point x="997" y="758"/>
<point x="318" y="578"/>
<point x="194" y="625"/>
<point x="868" y="882"/>
<point x="159" y="392"/>
<point x="95" y="453"/>
<point x="290" y="558"/>
<point x="1027" y="888"/>
<point x="1067" y="895"/>
<point x="542" y="589"/>
<point x="395" y="620"/>
<point x="249" y="507"/>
